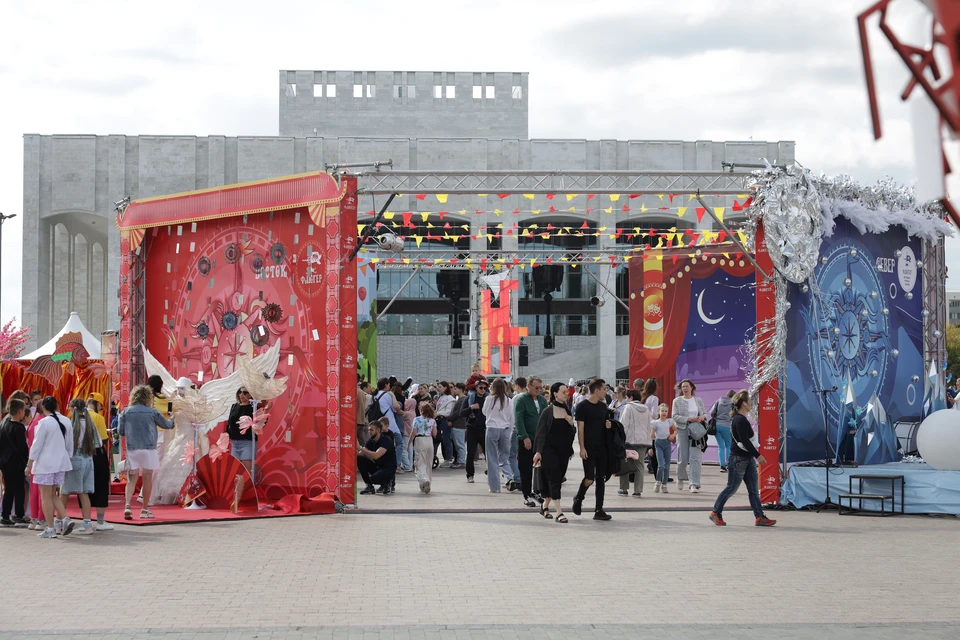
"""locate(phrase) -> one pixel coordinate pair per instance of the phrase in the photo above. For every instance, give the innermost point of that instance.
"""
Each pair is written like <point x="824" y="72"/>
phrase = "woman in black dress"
<point x="554" y="448"/>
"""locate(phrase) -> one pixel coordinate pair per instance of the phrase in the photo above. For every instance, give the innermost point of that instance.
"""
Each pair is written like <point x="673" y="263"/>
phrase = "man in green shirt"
<point x="527" y="408"/>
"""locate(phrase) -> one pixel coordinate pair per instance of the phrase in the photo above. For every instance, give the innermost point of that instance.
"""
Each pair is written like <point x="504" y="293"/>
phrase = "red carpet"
<point x="172" y="514"/>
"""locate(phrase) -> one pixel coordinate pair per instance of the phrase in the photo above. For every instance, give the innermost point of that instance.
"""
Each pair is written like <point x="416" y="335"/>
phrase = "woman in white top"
<point x="445" y="403"/>
<point x="635" y="417"/>
<point x="690" y="416"/>
<point x="49" y="461"/>
<point x="498" y="411"/>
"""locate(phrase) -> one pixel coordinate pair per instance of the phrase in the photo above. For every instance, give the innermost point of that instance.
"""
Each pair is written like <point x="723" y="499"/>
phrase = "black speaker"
<point x="453" y="284"/>
<point x="547" y="278"/>
<point x="524" y="356"/>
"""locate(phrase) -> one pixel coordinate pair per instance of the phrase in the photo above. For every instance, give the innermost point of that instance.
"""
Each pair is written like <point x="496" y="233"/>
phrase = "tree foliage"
<point x="953" y="350"/>
<point x="12" y="340"/>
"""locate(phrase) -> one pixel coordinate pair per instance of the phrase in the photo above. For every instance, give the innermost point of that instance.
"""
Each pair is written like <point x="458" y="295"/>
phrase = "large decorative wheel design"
<point x="853" y="341"/>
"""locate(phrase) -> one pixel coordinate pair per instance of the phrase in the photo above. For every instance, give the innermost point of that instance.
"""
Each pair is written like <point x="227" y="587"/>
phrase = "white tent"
<point x="74" y="325"/>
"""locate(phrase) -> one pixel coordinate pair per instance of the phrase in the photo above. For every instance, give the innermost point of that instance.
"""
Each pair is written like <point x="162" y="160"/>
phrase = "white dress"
<point x="169" y="479"/>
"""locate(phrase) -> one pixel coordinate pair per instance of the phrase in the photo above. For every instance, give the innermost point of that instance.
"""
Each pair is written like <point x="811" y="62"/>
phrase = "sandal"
<point x="127" y="513"/>
<point x="545" y="512"/>
<point x="562" y="519"/>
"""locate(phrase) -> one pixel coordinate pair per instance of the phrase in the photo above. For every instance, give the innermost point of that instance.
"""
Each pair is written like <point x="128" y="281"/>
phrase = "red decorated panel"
<point x="217" y="288"/>
<point x="348" y="342"/>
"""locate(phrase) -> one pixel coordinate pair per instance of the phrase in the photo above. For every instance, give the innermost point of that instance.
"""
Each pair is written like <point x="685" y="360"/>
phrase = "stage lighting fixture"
<point x="597" y="301"/>
<point x="390" y="242"/>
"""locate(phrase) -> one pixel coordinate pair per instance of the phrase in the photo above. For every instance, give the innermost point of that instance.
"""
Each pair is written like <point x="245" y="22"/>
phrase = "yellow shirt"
<point x="161" y="404"/>
<point x="101" y="425"/>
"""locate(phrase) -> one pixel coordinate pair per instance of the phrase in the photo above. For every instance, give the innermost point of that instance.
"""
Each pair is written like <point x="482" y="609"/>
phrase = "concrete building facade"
<point x="72" y="182"/>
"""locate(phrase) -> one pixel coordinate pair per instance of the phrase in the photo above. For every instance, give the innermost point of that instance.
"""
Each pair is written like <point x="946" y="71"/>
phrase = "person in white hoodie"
<point x="498" y="411"/>
<point x="49" y="461"/>
<point x="635" y="418"/>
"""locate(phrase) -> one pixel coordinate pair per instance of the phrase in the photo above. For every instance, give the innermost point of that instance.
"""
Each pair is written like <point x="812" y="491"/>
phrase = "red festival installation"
<point x="209" y="276"/>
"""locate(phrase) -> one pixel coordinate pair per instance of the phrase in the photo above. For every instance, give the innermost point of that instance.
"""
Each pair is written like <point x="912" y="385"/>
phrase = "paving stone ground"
<point x="486" y="573"/>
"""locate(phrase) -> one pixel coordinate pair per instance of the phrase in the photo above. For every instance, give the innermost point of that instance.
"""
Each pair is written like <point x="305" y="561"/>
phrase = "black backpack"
<point x="374" y="412"/>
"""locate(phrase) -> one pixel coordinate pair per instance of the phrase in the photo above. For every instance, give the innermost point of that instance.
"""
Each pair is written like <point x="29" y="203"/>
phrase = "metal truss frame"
<point x="935" y="302"/>
<point x="456" y="183"/>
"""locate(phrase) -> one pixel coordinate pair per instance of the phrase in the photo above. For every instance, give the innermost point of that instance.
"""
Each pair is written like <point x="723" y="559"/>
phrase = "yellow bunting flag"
<point x="572" y="209"/>
<point x="388" y="215"/>
<point x="528" y="196"/>
<point x="643" y="208"/>
<point x="360" y="228"/>
<point x="742" y="196"/>
<point x="614" y="197"/>
<point x="571" y="196"/>
<point x="483" y="195"/>
<point x="424" y="215"/>
<point x="442" y="198"/>
<point x="374" y="260"/>
<point x="533" y="261"/>
<point x="608" y="210"/>
<point x="462" y="212"/>
<point x="692" y="196"/>
<point x="419" y="239"/>
<point x="681" y="211"/>
<point x="660" y="195"/>
<point x="535" y="211"/>
<point x="719" y="212"/>
<point x="405" y="260"/>
<point x="497" y="212"/>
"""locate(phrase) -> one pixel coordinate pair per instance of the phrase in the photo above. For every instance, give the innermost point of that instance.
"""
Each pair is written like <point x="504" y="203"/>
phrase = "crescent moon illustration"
<point x="703" y="316"/>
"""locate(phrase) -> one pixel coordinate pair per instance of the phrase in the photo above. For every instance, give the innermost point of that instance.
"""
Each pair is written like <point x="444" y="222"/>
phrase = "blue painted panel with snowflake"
<point x="859" y="321"/>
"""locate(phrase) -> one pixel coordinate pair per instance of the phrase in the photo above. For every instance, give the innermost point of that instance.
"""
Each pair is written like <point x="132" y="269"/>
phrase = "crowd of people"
<point x="524" y="432"/>
<point x="46" y="456"/>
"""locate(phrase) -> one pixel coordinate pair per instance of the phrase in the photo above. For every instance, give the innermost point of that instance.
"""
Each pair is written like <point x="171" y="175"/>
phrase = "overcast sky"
<point x="642" y="69"/>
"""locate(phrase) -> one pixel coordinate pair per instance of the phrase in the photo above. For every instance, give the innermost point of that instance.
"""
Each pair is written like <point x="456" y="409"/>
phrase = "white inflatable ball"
<point x="939" y="440"/>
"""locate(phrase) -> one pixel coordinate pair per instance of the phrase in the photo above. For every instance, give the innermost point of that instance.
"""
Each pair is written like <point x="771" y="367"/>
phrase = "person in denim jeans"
<point x="458" y="424"/>
<point x="721" y="413"/>
<point x="660" y="431"/>
<point x="743" y="465"/>
<point x="498" y="411"/>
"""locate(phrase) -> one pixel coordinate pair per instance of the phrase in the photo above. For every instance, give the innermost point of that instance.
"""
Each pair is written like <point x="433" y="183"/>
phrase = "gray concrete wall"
<point x="307" y="110"/>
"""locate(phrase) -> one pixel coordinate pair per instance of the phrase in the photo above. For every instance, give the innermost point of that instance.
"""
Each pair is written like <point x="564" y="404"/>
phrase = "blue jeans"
<point x="460" y="442"/>
<point x="404" y="457"/>
<point x="663" y="448"/>
<point x="498" y="456"/>
<point x="514" y="464"/>
<point x="744" y="470"/>
<point x="723" y="441"/>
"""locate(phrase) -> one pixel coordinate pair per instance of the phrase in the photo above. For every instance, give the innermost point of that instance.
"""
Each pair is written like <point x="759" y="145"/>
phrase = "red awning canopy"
<point x="275" y="194"/>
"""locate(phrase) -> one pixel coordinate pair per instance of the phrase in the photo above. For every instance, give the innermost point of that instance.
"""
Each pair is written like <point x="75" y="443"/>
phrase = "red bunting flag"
<point x="421" y="196"/>
<point x="737" y="206"/>
<point x="446" y="225"/>
<point x="503" y="195"/>
<point x="626" y="208"/>
<point x="550" y="196"/>
<point x="516" y="211"/>
<point x="442" y="214"/>
<point x="585" y="225"/>
<point x="634" y="195"/>
<point x="721" y="235"/>
<point x="552" y="210"/>
<point x="407" y="217"/>
<point x="700" y="213"/>
<point x="590" y="196"/>
<point x="549" y="260"/>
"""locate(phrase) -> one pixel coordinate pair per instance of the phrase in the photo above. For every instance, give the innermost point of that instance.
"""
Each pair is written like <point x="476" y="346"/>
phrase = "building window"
<point x="411" y="91"/>
<point x="331" y="91"/>
<point x="451" y="91"/>
<point x="477" y="92"/>
<point x="371" y="91"/>
<point x="318" y="91"/>
<point x="358" y="91"/>
<point x="437" y="91"/>
<point x="490" y="92"/>
<point x="291" y="90"/>
<point x="516" y="92"/>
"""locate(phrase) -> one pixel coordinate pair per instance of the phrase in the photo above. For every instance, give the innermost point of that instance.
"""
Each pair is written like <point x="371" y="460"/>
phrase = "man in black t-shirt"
<point x="377" y="461"/>
<point x="593" y="420"/>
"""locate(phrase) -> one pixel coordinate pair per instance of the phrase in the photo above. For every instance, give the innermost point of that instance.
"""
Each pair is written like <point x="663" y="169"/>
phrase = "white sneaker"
<point x="47" y="533"/>
<point x="665" y="490"/>
<point x="656" y="487"/>
<point x="679" y="485"/>
<point x="470" y="479"/>
<point x="68" y="526"/>
<point x="83" y="530"/>
<point x="106" y="526"/>
<point x="694" y="489"/>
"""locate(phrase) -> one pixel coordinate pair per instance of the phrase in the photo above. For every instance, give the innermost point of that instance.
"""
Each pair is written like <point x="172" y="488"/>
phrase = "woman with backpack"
<point x="49" y="461"/>
<point x="79" y="480"/>
<point x="720" y="415"/>
<point x="744" y="457"/>
<point x="690" y="418"/>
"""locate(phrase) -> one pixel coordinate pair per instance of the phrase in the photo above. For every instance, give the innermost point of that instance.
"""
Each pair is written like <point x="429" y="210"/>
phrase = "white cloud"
<point x="698" y="69"/>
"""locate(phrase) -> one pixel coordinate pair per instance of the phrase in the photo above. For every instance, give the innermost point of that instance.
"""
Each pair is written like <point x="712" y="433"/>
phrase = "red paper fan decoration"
<point x="227" y="484"/>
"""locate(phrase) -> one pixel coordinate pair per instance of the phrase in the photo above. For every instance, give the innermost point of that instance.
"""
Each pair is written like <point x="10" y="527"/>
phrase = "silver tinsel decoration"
<point x="789" y="205"/>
